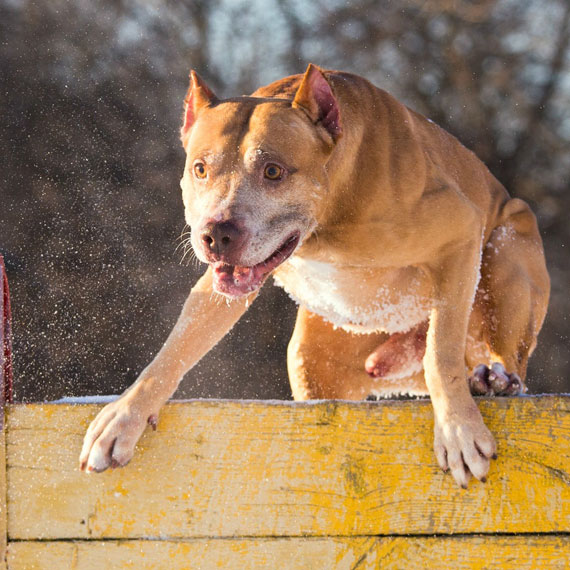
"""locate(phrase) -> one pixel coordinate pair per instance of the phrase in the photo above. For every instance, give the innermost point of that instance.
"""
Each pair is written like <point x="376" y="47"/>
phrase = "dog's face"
<point x="254" y="179"/>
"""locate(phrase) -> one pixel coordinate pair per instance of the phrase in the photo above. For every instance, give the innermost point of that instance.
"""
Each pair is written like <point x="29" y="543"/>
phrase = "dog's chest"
<point x="357" y="299"/>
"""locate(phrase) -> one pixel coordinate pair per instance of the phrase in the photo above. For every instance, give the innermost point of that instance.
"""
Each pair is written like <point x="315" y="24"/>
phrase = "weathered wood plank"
<point x="256" y="469"/>
<point x="365" y="553"/>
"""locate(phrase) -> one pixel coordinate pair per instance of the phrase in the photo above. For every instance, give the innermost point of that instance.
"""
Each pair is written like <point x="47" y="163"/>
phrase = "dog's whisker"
<point x="184" y="236"/>
<point x="188" y="252"/>
<point x="218" y="299"/>
<point x="187" y="249"/>
<point x="181" y="244"/>
<point x="186" y="231"/>
<point x="184" y="255"/>
<point x="186" y="244"/>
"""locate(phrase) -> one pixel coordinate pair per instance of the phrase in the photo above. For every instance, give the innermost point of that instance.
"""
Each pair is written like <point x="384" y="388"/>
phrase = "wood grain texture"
<point x="363" y="553"/>
<point x="256" y="469"/>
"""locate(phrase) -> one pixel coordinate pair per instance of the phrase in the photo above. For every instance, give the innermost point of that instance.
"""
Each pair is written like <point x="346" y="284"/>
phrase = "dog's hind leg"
<point x="325" y="362"/>
<point x="513" y="296"/>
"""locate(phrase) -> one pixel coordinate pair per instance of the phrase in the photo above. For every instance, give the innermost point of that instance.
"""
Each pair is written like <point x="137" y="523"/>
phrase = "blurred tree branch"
<point x="89" y="117"/>
<point x="517" y="164"/>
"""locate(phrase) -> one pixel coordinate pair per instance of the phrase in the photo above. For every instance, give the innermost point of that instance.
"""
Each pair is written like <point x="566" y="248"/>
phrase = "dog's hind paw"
<point x="495" y="381"/>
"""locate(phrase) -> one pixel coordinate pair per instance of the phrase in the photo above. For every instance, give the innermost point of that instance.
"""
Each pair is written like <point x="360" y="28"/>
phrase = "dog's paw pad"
<point x="495" y="381"/>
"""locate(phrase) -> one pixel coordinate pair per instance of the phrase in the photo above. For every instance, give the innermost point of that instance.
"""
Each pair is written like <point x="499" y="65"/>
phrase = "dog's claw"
<point x="495" y="381"/>
<point x="153" y="421"/>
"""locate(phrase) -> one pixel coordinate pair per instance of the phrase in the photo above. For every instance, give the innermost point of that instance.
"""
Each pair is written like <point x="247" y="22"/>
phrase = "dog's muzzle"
<point x="234" y="280"/>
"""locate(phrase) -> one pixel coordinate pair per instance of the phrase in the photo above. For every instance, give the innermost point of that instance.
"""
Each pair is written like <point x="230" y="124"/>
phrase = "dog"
<point x="411" y="265"/>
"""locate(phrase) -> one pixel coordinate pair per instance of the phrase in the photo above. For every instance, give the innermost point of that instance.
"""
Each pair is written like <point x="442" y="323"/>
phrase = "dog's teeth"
<point x="242" y="273"/>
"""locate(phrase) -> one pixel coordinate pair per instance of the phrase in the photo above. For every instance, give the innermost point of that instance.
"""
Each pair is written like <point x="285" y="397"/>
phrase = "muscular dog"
<point x="411" y="265"/>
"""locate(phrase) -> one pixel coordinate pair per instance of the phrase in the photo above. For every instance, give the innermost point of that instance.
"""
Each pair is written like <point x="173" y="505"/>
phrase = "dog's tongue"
<point x="236" y="280"/>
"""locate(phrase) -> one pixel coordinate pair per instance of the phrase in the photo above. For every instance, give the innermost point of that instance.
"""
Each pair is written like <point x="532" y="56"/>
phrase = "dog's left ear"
<point x="199" y="96"/>
<point x="316" y="99"/>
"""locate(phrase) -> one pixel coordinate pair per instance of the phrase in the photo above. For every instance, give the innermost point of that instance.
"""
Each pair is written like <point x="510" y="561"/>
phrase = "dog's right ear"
<point x="316" y="98"/>
<point x="199" y="96"/>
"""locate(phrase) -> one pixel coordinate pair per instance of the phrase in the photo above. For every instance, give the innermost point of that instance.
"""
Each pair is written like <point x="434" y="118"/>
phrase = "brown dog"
<point x="410" y="262"/>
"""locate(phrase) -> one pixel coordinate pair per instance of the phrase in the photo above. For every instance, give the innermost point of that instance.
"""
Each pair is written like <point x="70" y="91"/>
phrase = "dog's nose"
<point x="221" y="238"/>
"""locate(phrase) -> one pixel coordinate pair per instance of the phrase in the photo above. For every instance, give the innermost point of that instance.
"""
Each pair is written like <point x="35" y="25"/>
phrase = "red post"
<point x="5" y="337"/>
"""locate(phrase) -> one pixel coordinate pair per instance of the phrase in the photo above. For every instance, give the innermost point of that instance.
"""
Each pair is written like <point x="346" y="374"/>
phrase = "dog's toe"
<point x="464" y="447"/>
<point x="112" y="436"/>
<point x="123" y="452"/>
<point x="515" y="386"/>
<point x="498" y="378"/>
<point x="503" y="383"/>
<point x="100" y="456"/>
<point x="479" y="381"/>
<point x="495" y="381"/>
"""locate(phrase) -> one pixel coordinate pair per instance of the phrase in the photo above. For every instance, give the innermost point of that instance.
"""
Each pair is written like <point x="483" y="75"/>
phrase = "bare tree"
<point x="90" y="112"/>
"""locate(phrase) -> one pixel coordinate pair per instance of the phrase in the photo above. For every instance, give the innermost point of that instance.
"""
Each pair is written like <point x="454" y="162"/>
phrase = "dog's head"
<point x="255" y="177"/>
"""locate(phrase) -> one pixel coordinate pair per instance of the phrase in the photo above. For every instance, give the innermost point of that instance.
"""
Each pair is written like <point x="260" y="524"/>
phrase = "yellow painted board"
<point x="227" y="469"/>
<point x="365" y="553"/>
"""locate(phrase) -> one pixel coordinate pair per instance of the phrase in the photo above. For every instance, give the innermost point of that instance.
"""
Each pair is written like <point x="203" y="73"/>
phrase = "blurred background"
<point x="90" y="210"/>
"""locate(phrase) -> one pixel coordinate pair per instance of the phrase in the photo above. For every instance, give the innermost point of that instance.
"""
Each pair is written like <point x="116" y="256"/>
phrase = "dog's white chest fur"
<point x="357" y="299"/>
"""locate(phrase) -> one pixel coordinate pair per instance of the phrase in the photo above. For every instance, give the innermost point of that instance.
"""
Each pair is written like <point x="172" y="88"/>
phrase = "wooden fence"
<point x="255" y="485"/>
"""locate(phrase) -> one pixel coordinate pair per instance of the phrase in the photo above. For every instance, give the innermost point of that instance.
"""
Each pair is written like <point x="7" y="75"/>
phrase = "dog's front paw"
<point x="464" y="446"/>
<point x="111" y="438"/>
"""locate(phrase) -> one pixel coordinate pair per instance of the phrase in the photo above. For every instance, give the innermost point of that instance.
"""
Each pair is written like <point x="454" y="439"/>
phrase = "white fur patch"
<point x="480" y="259"/>
<point x="340" y="297"/>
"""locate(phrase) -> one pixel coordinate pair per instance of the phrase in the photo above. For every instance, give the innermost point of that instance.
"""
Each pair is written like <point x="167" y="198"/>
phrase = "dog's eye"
<point x="273" y="172"/>
<point x="200" y="170"/>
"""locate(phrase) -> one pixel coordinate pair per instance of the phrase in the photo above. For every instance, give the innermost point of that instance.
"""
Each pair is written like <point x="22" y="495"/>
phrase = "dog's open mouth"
<point x="238" y="280"/>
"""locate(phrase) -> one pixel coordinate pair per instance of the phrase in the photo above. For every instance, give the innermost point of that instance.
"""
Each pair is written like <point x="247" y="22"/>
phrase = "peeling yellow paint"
<point x="309" y="474"/>
<point x="120" y="490"/>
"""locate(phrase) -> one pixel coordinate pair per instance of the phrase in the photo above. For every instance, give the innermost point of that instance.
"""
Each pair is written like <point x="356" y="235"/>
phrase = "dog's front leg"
<point x="206" y="317"/>
<point x="462" y="442"/>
